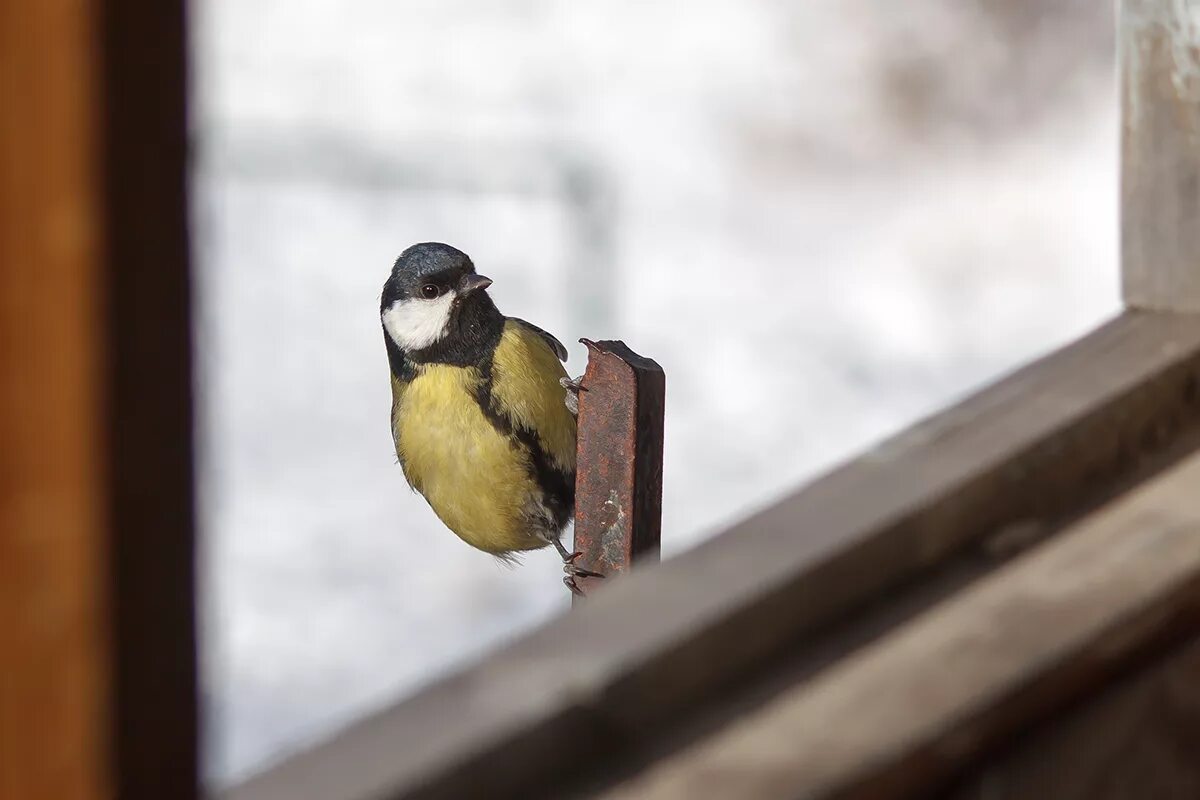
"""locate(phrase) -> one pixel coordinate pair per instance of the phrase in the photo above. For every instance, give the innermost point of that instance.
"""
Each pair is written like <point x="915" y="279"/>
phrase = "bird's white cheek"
<point x="417" y="323"/>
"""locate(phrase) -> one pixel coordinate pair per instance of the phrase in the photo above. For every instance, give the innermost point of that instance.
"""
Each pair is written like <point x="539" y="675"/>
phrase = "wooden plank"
<point x="1138" y="738"/>
<point x="896" y="717"/>
<point x="1160" y="174"/>
<point x="1025" y="452"/>
<point x="97" y="696"/>
<point x="53" y="653"/>
<point x="149" y="404"/>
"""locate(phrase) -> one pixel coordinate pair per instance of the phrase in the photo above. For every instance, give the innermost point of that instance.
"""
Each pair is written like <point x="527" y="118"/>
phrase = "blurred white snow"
<point x="824" y="219"/>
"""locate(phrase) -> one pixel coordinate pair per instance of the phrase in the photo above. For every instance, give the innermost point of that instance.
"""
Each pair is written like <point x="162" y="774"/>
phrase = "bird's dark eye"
<point x="430" y="291"/>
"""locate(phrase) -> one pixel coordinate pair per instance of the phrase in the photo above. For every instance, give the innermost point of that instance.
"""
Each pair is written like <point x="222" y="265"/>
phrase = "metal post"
<point x="618" y="484"/>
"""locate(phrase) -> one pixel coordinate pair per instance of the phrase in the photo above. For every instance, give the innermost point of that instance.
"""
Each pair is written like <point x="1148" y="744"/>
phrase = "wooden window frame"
<point x="102" y="701"/>
<point x="98" y="694"/>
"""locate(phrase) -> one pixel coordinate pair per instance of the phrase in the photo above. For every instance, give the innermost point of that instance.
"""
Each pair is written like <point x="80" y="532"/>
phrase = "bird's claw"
<point x="573" y="386"/>
<point x="570" y="567"/>
<point x="574" y="572"/>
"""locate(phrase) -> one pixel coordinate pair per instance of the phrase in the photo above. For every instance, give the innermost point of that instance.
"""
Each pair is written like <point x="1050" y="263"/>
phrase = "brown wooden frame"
<point x="96" y="538"/>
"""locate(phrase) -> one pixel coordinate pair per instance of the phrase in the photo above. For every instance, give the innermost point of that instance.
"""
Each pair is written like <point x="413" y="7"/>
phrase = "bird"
<point x="483" y="414"/>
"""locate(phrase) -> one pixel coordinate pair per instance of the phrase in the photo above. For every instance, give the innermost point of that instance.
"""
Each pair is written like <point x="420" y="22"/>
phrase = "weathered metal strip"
<point x="618" y="485"/>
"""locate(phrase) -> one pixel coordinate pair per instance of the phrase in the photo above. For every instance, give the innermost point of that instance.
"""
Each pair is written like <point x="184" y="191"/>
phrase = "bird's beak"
<point x="473" y="283"/>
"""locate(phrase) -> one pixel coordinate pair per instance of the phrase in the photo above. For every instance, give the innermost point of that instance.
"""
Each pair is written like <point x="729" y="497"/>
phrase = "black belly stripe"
<point x="558" y="487"/>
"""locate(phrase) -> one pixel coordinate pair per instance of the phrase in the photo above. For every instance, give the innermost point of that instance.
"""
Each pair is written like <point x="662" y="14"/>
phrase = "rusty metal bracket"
<point x="618" y="484"/>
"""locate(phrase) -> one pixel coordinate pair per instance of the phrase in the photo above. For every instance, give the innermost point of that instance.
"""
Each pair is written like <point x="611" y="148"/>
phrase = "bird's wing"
<point x="526" y="390"/>
<point x="554" y="343"/>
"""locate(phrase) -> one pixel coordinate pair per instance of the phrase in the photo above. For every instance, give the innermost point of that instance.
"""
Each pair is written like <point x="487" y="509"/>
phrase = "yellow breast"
<point x="474" y="478"/>
<point x="478" y="478"/>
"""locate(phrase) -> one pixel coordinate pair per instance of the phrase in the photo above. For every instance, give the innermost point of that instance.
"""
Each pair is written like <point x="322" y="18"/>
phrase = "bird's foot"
<point x="573" y="386"/>
<point x="573" y="572"/>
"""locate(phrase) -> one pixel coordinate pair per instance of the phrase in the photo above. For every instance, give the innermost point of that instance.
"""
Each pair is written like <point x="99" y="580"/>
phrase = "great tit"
<point x="482" y="415"/>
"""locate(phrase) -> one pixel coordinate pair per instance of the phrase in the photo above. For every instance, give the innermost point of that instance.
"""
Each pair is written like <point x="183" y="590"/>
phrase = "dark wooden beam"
<point x="1023" y="455"/>
<point x="149" y="405"/>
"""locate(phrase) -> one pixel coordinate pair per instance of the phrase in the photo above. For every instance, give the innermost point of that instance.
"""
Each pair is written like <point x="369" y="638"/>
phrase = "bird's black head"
<point x="435" y="308"/>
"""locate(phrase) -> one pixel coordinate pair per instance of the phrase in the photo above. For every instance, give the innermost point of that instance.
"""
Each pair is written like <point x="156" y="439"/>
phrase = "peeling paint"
<point x="613" y="506"/>
<point x="1178" y="22"/>
<point x="613" y="533"/>
<point x="1151" y="30"/>
<point x="1183" y="31"/>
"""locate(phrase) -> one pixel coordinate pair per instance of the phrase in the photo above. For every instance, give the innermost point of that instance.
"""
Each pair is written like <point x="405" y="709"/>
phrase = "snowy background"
<point x="824" y="218"/>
